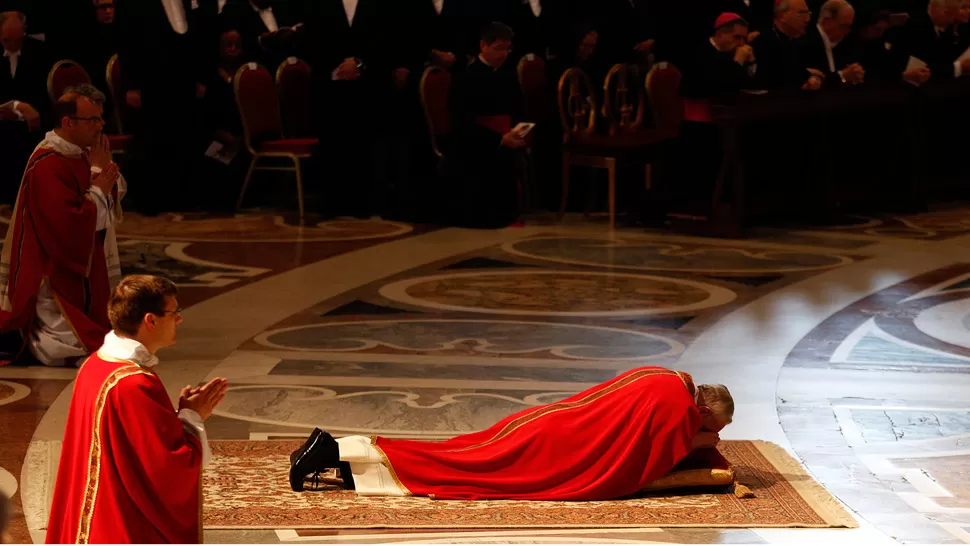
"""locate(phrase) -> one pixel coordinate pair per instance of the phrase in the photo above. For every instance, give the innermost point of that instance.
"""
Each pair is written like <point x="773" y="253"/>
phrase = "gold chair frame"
<point x="53" y="70"/>
<point x="253" y="165"/>
<point x="279" y="83"/>
<point x="427" y="112"/>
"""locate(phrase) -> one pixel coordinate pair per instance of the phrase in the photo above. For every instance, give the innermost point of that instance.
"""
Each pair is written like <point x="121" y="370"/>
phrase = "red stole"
<point x="607" y="442"/>
<point x="128" y="471"/>
<point x="52" y="239"/>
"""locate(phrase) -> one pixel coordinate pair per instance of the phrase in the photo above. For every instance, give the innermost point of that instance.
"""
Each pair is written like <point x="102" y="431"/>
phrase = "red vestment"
<point x="607" y="442"/>
<point x="129" y="472"/>
<point x="52" y="238"/>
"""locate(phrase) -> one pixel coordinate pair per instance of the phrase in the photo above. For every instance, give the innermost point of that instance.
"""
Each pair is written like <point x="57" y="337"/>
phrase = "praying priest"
<point x="604" y="443"/>
<point x="130" y="465"/>
<point x="60" y="257"/>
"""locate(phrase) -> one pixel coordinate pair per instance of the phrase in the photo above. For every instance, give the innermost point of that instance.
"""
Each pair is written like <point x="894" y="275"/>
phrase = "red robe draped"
<point x="53" y="240"/>
<point x="607" y="442"/>
<point x="129" y="472"/>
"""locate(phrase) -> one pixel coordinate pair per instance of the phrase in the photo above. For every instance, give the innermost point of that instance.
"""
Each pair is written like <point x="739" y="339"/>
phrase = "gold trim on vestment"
<point x="107" y="358"/>
<point x="94" y="454"/>
<point x="688" y="382"/>
<point x="390" y="467"/>
<point x="542" y="411"/>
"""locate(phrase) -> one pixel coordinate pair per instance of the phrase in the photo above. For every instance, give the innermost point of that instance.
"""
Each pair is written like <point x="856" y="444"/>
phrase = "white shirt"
<point x="536" y="6"/>
<point x="14" y="56"/>
<point x="439" y="5"/>
<point x="175" y="12"/>
<point x="123" y="348"/>
<point x="269" y="20"/>
<point x="828" y="48"/>
<point x="350" y="8"/>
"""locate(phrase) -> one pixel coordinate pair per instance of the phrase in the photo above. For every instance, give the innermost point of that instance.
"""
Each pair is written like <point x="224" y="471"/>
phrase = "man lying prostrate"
<point x="607" y="442"/>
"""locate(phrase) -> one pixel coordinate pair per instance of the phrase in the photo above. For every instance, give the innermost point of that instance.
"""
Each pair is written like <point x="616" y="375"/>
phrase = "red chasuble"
<point x="52" y="239"/>
<point x="604" y="443"/>
<point x="129" y="472"/>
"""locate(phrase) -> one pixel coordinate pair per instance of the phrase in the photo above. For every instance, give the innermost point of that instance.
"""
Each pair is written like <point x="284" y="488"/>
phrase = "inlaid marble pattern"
<point x="171" y="260"/>
<point x="937" y="225"/>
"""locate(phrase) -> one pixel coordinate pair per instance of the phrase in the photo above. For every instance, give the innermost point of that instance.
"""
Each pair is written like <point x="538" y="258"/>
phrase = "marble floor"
<point x="847" y="345"/>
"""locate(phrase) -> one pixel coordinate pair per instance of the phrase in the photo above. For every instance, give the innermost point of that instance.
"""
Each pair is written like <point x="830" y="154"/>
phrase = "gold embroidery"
<point x="94" y="453"/>
<point x="688" y="382"/>
<point x="562" y="406"/>
<point x="390" y="468"/>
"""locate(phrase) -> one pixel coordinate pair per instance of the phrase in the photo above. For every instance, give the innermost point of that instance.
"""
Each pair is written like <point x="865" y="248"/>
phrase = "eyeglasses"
<point x="177" y="312"/>
<point x="97" y="119"/>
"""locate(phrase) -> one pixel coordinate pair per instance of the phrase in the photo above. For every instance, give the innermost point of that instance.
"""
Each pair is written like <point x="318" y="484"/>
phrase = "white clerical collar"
<point x="350" y="8"/>
<point x="124" y="348"/>
<point x="60" y="145"/>
<point x="829" y="47"/>
<point x="484" y="62"/>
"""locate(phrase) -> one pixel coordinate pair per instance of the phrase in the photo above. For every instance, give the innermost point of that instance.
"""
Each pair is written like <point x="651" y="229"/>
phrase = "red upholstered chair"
<point x="64" y="74"/>
<point x="118" y="139"/>
<point x="435" y="87"/>
<point x="294" y="88"/>
<point x="663" y="91"/>
<point x="535" y="88"/>
<point x="624" y="103"/>
<point x="263" y="128"/>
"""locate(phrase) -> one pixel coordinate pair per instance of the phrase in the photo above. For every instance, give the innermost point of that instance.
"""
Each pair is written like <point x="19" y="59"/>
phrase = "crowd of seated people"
<point x="179" y="57"/>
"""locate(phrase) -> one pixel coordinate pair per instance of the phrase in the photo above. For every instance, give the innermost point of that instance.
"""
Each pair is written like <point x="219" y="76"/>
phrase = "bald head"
<point x="943" y="13"/>
<point x="836" y="18"/>
<point x="12" y="30"/>
<point x="792" y="17"/>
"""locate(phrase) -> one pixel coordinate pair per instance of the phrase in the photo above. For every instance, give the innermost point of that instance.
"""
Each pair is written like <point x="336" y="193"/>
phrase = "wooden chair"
<point x="294" y="87"/>
<point x="263" y="128"/>
<point x="119" y="140"/>
<point x="535" y="89"/>
<point x="663" y="91"/>
<point x="435" y="88"/>
<point x="626" y="141"/>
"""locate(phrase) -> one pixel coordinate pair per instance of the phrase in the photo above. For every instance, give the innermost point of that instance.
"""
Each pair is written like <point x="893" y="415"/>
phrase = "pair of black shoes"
<point x="317" y="455"/>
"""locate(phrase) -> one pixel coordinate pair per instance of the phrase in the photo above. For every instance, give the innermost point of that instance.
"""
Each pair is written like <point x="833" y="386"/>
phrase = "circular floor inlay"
<point x="11" y="392"/>
<point x="8" y="484"/>
<point x="557" y="293"/>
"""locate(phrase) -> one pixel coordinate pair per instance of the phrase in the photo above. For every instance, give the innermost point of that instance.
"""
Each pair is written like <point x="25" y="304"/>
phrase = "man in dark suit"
<point x="627" y="28"/>
<point x="158" y="54"/>
<point x="271" y="29"/>
<point x="356" y="60"/>
<point x="782" y="59"/>
<point x="827" y="47"/>
<point x="928" y="45"/>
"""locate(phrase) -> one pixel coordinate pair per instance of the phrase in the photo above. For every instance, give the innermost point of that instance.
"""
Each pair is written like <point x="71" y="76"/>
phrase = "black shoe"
<point x="346" y="475"/>
<point x="319" y="453"/>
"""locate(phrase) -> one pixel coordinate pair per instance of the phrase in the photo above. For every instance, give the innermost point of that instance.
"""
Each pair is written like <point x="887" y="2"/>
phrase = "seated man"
<point x="485" y="105"/>
<point x="60" y="257"/>
<point x="782" y="60"/>
<point x="928" y="46"/>
<point x="604" y="443"/>
<point x="826" y="44"/>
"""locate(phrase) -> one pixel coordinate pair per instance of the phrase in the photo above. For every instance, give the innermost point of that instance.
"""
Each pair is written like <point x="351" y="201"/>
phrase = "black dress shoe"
<point x="319" y="453"/>
<point x="346" y="475"/>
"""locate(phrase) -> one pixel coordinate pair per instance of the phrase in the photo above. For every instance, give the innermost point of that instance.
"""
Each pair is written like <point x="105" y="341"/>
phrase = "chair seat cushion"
<point x="118" y="142"/>
<point x="295" y="146"/>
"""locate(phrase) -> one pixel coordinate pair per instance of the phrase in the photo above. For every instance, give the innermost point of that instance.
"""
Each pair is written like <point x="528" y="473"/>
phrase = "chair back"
<point x="64" y="74"/>
<point x="116" y="89"/>
<point x="535" y="88"/>
<point x="294" y="89"/>
<point x="663" y="91"/>
<point x="258" y="104"/>
<point x="435" y="88"/>
<point x="577" y="103"/>
<point x="624" y="103"/>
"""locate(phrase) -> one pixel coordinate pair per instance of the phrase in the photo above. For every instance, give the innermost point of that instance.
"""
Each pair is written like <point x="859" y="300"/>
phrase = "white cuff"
<point x="193" y="424"/>
<point x="957" y="69"/>
<point x="19" y="114"/>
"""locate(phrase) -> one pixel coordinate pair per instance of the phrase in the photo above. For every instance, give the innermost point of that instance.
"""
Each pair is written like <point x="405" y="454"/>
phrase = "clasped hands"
<point x="204" y="400"/>
<point x="99" y="156"/>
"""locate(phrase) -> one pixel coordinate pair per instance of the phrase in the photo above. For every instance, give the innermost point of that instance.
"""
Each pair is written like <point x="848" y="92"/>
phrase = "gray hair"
<point x="7" y="15"/>
<point x="831" y="9"/>
<point x="86" y="90"/>
<point x="66" y="106"/>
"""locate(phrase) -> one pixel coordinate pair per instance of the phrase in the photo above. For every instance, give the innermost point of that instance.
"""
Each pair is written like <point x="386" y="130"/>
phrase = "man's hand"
<point x="133" y="98"/>
<point x="443" y="58"/>
<point x="814" y="82"/>
<point x="645" y="46"/>
<point x="854" y="74"/>
<point x="965" y="67"/>
<point x="30" y="116"/>
<point x="744" y="54"/>
<point x="100" y="154"/>
<point x="348" y="70"/>
<point x="917" y="76"/>
<point x="107" y="178"/>
<point x="705" y="440"/>
<point x="400" y="77"/>
<point x="204" y="400"/>
<point x="752" y="36"/>
<point x="513" y="140"/>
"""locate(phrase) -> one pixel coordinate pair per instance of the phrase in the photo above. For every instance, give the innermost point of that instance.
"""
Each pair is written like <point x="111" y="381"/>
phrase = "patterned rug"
<point x="247" y="488"/>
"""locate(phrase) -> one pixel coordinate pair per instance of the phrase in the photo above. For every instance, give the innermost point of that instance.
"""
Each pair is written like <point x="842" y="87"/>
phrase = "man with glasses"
<point x="130" y="465"/>
<point x="783" y="62"/>
<point x="60" y="257"/>
<point x="827" y="47"/>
